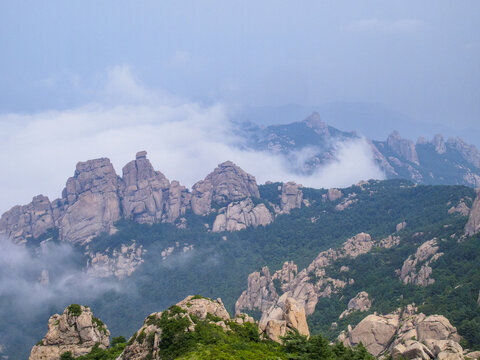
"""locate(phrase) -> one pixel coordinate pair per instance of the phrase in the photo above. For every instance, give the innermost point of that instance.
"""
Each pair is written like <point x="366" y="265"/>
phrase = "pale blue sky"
<point x="419" y="58"/>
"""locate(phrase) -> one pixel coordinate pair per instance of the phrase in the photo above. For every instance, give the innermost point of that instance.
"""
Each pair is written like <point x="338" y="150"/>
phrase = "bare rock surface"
<point x="473" y="224"/>
<point x="120" y="262"/>
<point x="291" y="197"/>
<point x="416" y="268"/>
<point x="76" y="330"/>
<point x="277" y="323"/>
<point x="21" y="223"/>
<point x="406" y="334"/>
<point x="361" y="302"/>
<point x="403" y="147"/>
<point x="461" y="209"/>
<point x="226" y="183"/>
<point x="240" y="215"/>
<point x="143" y="190"/>
<point x="93" y="204"/>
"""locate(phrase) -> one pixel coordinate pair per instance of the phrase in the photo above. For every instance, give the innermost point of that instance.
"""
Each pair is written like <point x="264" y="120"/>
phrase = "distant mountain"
<point x="451" y="162"/>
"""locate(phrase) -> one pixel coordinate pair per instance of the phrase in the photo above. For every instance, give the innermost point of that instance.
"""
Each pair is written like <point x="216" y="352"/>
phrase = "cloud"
<point x="63" y="280"/>
<point x="398" y="27"/>
<point x="184" y="140"/>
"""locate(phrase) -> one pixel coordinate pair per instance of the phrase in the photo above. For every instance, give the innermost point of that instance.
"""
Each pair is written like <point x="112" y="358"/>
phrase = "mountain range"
<point x="400" y="255"/>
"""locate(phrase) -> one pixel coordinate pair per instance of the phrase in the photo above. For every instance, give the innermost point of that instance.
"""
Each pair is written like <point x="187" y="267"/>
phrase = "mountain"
<point x="451" y="162"/>
<point x="339" y="255"/>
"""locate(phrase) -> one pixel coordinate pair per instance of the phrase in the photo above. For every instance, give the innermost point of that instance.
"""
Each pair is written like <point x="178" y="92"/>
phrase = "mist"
<point x="184" y="140"/>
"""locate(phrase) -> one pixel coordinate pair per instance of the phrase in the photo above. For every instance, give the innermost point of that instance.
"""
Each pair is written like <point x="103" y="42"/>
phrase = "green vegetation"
<point x="75" y="310"/>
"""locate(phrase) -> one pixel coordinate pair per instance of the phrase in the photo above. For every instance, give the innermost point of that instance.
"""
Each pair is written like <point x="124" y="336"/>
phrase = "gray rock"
<point x="473" y="224"/>
<point x="226" y="183"/>
<point x="240" y="215"/>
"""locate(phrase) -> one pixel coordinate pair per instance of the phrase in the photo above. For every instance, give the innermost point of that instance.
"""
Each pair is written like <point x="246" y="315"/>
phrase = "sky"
<point x="86" y="79"/>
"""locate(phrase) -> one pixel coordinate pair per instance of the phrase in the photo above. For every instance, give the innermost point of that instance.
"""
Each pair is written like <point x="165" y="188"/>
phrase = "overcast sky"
<point x="76" y="74"/>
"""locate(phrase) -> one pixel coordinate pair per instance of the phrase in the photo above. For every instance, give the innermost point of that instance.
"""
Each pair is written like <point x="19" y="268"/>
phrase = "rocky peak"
<point x="226" y="183"/>
<point x="439" y="144"/>
<point x="315" y="122"/>
<point x="361" y="302"/>
<point x="403" y="147"/>
<point x="92" y="201"/>
<point x="76" y="331"/>
<point x="278" y="321"/>
<point x="96" y="176"/>
<point x="143" y="190"/>
<point x="469" y="152"/>
<point x="23" y="222"/>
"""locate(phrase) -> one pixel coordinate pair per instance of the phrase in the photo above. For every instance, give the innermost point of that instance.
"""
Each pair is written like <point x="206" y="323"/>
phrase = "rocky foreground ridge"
<point x="96" y="197"/>
<point x="196" y="321"/>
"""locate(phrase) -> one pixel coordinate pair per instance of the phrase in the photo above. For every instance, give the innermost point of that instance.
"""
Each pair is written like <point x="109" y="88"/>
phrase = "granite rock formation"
<point x="361" y="302"/>
<point x="406" y="334"/>
<point x="416" y="268"/>
<point x="76" y="331"/>
<point x="241" y="214"/>
<point x="225" y="184"/>
<point x="473" y="224"/>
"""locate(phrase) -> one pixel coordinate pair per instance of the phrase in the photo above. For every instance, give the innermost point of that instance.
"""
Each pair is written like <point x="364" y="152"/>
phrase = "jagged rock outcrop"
<point x="473" y="224"/>
<point x="439" y="144"/>
<point x="277" y="322"/>
<point x="226" y="183"/>
<point x="315" y="122"/>
<point x="261" y="292"/>
<point x="21" y="223"/>
<point x="403" y="147"/>
<point x="95" y="198"/>
<point x="469" y="152"/>
<point x="144" y="191"/>
<point x="120" y="262"/>
<point x="76" y="331"/>
<point x="92" y="201"/>
<point x="240" y="215"/>
<point x="461" y="208"/>
<point x="306" y="286"/>
<point x="146" y="341"/>
<point x="423" y="257"/>
<point x="361" y="302"/>
<point x="405" y="334"/>
<point x="291" y="197"/>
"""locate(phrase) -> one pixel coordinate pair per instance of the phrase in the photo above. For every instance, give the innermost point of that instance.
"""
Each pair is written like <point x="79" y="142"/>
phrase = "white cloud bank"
<point x="184" y="140"/>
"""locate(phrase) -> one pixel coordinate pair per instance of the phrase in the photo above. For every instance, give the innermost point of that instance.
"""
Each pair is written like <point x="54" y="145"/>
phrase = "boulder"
<point x="76" y="331"/>
<point x="361" y="302"/>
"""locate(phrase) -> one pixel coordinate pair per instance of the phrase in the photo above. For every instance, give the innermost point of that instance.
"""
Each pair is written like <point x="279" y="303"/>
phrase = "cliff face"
<point x="95" y="198"/>
<point x="76" y="331"/>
